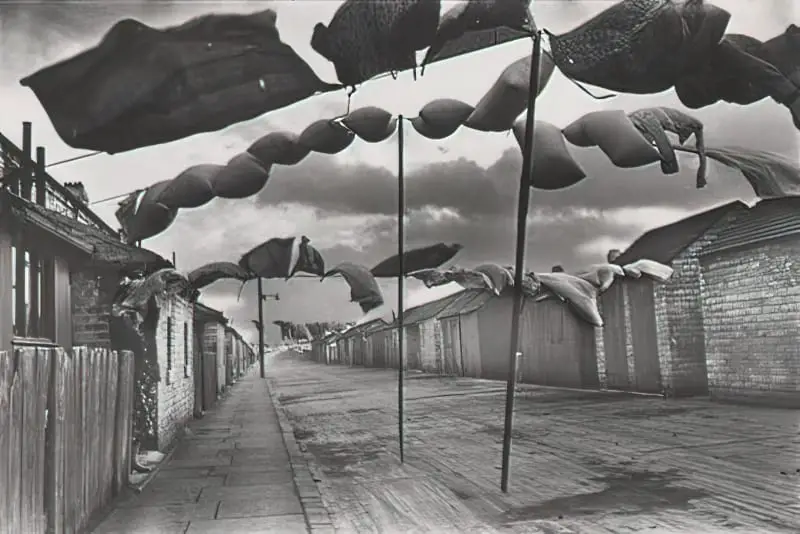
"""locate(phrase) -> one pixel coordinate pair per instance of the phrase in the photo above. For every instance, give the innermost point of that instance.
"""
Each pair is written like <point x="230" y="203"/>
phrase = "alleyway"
<point x="583" y="462"/>
<point x="231" y="474"/>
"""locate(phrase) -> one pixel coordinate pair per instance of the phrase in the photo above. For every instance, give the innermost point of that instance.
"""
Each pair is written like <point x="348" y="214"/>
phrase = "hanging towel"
<point x="416" y="259"/>
<point x="279" y="148"/>
<point x="467" y="278"/>
<point x="501" y="278"/>
<point x="508" y="97"/>
<point x="654" y="123"/>
<point x="770" y="175"/>
<point x="602" y="275"/>
<point x="270" y="259"/>
<point x="371" y="124"/>
<point x="553" y="166"/>
<point x="192" y="188"/>
<point x="440" y="118"/>
<point x="242" y="177"/>
<point x="141" y="215"/>
<point x="364" y="289"/>
<point x="475" y="16"/>
<point x="740" y="70"/>
<point x="142" y="86"/>
<point x="211" y="272"/>
<point x="365" y="39"/>
<point x="309" y="260"/>
<point x="640" y="46"/>
<point x="653" y="269"/>
<point x="580" y="294"/>
<point x="326" y="136"/>
<point x="614" y="133"/>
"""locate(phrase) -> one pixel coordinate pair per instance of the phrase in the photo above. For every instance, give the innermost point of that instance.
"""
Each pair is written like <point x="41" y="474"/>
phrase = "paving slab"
<point x="258" y="505"/>
<point x="229" y="473"/>
<point x="259" y="478"/>
<point x="286" y="524"/>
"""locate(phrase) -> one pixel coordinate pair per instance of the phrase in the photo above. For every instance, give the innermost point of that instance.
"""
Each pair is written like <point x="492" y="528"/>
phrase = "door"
<point x="615" y="335"/>
<point x="647" y="371"/>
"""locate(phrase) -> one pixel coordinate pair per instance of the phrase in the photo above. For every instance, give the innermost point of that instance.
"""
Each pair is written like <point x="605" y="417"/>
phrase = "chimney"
<point x="613" y="254"/>
<point x="557" y="269"/>
<point x="78" y="190"/>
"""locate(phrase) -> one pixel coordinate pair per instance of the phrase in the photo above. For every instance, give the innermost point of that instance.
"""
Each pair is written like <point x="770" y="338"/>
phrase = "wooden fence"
<point x="65" y="434"/>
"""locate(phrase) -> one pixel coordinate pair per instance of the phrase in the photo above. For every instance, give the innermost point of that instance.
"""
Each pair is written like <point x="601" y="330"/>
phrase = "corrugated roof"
<point x="665" y="243"/>
<point x="103" y="247"/>
<point x="429" y="310"/>
<point x="468" y="302"/>
<point x="769" y="219"/>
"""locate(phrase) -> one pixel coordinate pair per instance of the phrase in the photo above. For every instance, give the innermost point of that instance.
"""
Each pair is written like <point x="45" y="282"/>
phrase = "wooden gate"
<point x="614" y="336"/>
<point x="647" y="371"/>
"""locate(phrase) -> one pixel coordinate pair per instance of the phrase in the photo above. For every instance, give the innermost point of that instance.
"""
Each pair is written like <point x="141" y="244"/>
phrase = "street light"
<point x="260" y="325"/>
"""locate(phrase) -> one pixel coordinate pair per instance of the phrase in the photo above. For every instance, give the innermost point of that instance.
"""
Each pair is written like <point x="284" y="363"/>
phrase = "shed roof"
<point x="663" y="244"/>
<point x="429" y="310"/>
<point x="102" y="247"/>
<point x="767" y="220"/>
<point x="468" y="302"/>
<point x="209" y="314"/>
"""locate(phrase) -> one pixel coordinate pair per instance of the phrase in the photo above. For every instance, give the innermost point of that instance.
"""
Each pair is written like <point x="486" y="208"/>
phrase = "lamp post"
<point x="261" y="298"/>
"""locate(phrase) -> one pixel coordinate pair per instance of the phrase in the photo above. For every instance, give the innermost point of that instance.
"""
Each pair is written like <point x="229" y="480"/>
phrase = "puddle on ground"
<point x="627" y="492"/>
<point x="346" y="460"/>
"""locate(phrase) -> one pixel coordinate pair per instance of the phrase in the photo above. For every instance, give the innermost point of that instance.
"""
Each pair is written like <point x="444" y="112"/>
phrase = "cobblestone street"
<point x="587" y="462"/>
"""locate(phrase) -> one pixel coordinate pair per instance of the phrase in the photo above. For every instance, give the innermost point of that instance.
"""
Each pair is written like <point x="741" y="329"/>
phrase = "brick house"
<point x="653" y="338"/>
<point x="208" y="323"/>
<point x="751" y="306"/>
<point x="213" y="332"/>
<point x="75" y="273"/>
<point x="175" y="394"/>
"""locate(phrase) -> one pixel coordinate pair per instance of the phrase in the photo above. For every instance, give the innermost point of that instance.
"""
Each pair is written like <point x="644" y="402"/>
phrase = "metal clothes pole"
<point x="401" y="213"/>
<point x="260" y="327"/>
<point x="519" y="265"/>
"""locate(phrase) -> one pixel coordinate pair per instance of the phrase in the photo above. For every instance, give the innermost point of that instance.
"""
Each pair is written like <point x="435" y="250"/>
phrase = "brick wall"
<point x="679" y="318"/>
<point x="678" y="310"/>
<point x="752" y="314"/>
<point x="91" y="295"/>
<point x="175" y="360"/>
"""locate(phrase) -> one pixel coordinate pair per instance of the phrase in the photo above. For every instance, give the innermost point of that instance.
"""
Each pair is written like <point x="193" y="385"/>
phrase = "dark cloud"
<point x="472" y="190"/>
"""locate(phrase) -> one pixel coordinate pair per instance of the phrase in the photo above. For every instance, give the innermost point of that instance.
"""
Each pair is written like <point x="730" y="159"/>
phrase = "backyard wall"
<point x="751" y="314"/>
<point x="175" y="360"/>
<point x="91" y="295"/>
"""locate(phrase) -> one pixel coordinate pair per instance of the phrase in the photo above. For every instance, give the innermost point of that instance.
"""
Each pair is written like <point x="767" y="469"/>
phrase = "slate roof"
<point x="103" y="248"/>
<point x="665" y="243"/>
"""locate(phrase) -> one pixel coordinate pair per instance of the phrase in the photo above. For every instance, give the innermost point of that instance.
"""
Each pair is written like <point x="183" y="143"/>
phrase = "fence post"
<point x="54" y="445"/>
<point x="124" y="420"/>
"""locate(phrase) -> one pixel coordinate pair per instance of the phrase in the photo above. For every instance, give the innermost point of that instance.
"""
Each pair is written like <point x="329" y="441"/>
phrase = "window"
<point x="185" y="349"/>
<point x="169" y="347"/>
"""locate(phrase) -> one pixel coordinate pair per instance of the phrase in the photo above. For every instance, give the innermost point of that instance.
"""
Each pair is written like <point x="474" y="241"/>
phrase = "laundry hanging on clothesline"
<point x="579" y="290"/>
<point x="629" y="140"/>
<point x="650" y="46"/>
<point x="364" y="289"/>
<point x="142" y="86"/>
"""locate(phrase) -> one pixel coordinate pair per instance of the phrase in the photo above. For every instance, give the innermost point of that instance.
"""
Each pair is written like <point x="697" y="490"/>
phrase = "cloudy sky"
<point x="460" y="189"/>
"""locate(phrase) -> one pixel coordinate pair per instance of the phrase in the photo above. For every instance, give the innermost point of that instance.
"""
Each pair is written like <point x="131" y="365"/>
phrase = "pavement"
<point x="582" y="461"/>
<point x="237" y="470"/>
